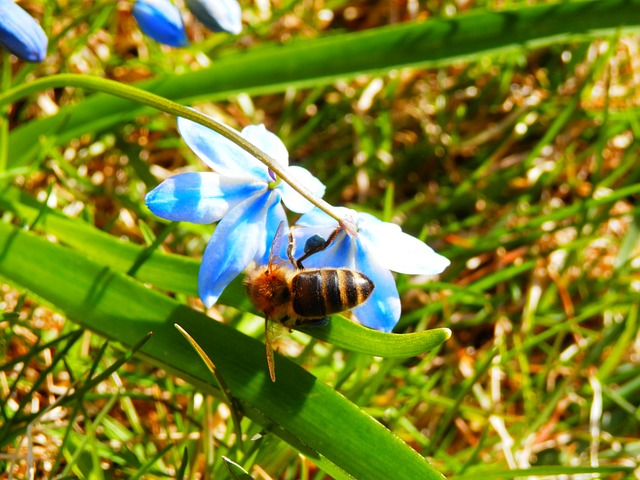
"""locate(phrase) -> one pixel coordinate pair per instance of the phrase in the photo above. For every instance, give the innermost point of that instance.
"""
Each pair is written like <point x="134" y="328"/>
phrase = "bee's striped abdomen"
<point x="321" y="292"/>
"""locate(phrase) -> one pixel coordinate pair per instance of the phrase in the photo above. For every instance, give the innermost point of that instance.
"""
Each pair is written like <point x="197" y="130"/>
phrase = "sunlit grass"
<point x="520" y="168"/>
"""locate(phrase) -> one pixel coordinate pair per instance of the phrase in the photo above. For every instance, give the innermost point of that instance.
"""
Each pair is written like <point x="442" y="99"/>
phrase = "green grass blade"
<point x="352" y="336"/>
<point x="438" y="41"/>
<point x="225" y="393"/>
<point x="309" y="415"/>
<point x="95" y="243"/>
<point x="601" y="472"/>
<point x="235" y="470"/>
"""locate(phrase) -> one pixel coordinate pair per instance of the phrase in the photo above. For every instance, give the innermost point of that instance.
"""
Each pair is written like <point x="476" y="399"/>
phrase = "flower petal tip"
<point x="161" y="20"/>
<point x="21" y="34"/>
<point x="218" y="15"/>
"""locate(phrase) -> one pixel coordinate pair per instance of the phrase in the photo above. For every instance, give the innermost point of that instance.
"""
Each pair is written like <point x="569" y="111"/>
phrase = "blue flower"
<point x="218" y="15"/>
<point x="242" y="195"/>
<point x="378" y="248"/>
<point x="161" y="20"/>
<point x="21" y="34"/>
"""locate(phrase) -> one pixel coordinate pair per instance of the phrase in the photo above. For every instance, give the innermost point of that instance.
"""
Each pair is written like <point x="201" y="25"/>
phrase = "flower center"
<point x="350" y="226"/>
<point x="275" y="180"/>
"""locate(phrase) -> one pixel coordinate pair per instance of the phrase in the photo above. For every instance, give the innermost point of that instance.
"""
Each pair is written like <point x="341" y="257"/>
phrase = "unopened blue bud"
<point x="21" y="34"/>
<point x="218" y="15"/>
<point x="161" y="20"/>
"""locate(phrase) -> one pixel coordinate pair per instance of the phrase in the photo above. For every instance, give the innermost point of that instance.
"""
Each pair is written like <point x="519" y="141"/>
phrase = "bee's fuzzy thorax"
<point x="268" y="289"/>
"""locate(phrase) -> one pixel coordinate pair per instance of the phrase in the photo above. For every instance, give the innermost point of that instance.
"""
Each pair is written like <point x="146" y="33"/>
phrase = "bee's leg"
<point x="318" y="247"/>
<point x="291" y="248"/>
<point x="312" y="322"/>
<point x="269" y="348"/>
<point x="318" y="322"/>
<point x="288" y="323"/>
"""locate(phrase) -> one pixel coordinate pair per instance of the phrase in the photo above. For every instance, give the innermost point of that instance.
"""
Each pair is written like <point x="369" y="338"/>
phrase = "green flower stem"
<point x="143" y="97"/>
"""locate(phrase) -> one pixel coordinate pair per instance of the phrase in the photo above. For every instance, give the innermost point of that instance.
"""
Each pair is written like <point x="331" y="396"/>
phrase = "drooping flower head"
<point x="161" y="20"/>
<point x="21" y="34"/>
<point x="377" y="248"/>
<point x="242" y="194"/>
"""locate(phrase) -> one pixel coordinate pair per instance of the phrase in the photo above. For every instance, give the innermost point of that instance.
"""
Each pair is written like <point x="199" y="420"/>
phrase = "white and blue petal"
<point x="316" y="218"/>
<point x="218" y="15"/>
<point x="235" y="242"/>
<point x="219" y="153"/>
<point x="199" y="197"/>
<point x="382" y="309"/>
<point x="292" y="199"/>
<point x="268" y="142"/>
<point x="399" y="251"/>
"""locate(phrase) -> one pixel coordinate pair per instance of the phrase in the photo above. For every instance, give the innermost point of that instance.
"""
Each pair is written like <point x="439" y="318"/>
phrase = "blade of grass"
<point x="309" y="415"/>
<point x="235" y="470"/>
<point x="19" y="426"/>
<point x="438" y="41"/>
<point x="224" y="389"/>
<point x="181" y="473"/>
<point x="88" y="439"/>
<point x="445" y="423"/>
<point x="151" y="462"/>
<point x="604" y="472"/>
<point x="619" y="344"/>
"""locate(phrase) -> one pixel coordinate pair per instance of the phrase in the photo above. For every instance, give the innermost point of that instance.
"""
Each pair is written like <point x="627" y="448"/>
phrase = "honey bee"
<point x="295" y="296"/>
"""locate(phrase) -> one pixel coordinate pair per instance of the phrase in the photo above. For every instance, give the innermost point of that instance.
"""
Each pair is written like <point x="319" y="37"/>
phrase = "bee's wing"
<point x="276" y="256"/>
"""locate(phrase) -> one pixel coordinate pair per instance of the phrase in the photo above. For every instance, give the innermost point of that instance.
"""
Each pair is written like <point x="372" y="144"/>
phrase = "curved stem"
<point x="143" y="97"/>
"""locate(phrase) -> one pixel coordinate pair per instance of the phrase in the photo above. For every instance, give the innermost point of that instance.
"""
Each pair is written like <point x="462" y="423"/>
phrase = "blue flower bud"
<point x="21" y="34"/>
<point x="218" y="15"/>
<point x="161" y="20"/>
